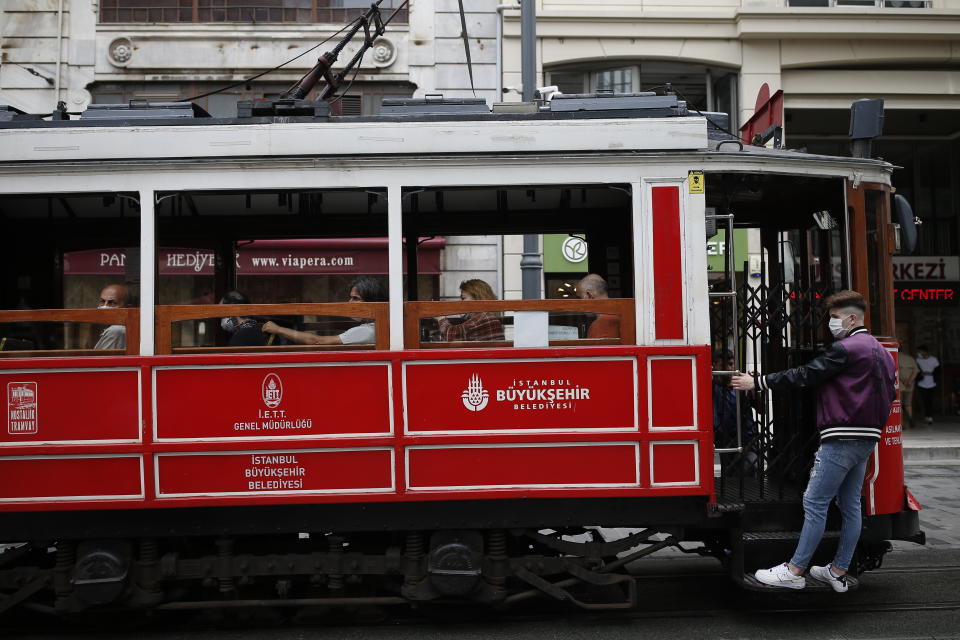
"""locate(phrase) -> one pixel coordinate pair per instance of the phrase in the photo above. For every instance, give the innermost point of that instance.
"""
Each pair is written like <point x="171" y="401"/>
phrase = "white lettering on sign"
<point x="716" y="247"/>
<point x="540" y="394"/>
<point x="196" y="260"/>
<point x="301" y="262"/>
<point x="113" y="259"/>
<point x="276" y="472"/>
<point x="22" y="408"/>
<point x="926" y="268"/>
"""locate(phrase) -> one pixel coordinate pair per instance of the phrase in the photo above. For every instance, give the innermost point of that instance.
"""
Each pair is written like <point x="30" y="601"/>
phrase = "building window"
<point x="615" y="80"/>
<point x="251" y="11"/>
<point x="703" y="87"/>
<point x="364" y="98"/>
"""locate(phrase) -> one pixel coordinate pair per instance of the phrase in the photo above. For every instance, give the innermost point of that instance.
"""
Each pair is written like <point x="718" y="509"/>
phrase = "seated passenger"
<point x="604" y="325"/>
<point x="478" y="326"/>
<point x="113" y="296"/>
<point x="363" y="289"/>
<point x="244" y="331"/>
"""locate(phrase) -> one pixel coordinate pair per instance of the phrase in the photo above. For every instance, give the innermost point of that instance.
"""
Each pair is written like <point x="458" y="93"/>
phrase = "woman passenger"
<point x="478" y="326"/>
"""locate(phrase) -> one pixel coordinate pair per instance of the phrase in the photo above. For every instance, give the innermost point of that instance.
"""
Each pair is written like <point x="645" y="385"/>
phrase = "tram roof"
<point x="635" y="129"/>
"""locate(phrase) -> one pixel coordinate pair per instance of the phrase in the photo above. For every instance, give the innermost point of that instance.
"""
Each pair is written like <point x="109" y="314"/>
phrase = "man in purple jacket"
<point x="855" y="377"/>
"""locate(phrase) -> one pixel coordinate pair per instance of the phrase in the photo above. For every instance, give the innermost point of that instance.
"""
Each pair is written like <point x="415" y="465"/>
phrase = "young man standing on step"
<point x="855" y="379"/>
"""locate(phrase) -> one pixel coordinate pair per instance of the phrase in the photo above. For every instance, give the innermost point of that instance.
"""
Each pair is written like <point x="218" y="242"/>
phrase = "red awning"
<point x="326" y="256"/>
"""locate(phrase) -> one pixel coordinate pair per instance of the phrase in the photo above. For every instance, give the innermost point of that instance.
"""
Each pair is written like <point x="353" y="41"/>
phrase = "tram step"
<point x="750" y="582"/>
<point x="767" y="536"/>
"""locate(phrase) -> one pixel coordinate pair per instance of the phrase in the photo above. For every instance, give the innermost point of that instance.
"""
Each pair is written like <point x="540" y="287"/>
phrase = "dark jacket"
<point x="856" y="379"/>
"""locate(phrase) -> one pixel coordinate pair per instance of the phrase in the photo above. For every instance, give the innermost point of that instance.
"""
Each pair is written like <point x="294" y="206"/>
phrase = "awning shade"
<point x="326" y="256"/>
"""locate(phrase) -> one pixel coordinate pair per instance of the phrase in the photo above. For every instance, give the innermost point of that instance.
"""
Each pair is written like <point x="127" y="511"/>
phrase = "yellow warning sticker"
<point x="695" y="179"/>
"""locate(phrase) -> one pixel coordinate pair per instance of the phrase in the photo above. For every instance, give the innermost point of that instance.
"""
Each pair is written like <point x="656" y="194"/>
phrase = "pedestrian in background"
<point x="927" y="385"/>
<point x="908" y="371"/>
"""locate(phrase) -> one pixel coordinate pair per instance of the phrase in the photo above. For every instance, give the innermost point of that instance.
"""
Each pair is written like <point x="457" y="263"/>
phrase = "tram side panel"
<point x="356" y="427"/>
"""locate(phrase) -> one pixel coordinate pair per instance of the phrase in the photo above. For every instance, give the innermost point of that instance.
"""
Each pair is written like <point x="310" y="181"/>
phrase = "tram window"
<point x="499" y="328"/>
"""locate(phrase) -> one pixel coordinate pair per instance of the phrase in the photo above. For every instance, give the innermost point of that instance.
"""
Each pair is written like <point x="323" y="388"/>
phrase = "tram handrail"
<point x="166" y="315"/>
<point x="413" y="312"/>
<point x="128" y="317"/>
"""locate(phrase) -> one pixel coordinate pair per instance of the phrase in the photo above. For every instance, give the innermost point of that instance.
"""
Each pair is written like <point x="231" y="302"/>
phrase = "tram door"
<point x="766" y="316"/>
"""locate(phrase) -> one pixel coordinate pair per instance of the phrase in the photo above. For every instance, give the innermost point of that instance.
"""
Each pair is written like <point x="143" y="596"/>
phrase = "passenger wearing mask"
<point x="855" y="380"/>
<point x="244" y="331"/>
<point x="478" y="326"/>
<point x="113" y="296"/>
<point x="363" y="289"/>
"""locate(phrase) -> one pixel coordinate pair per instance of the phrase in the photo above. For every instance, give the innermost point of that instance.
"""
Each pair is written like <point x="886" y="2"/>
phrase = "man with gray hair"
<point x="113" y="296"/>
<point x="855" y="380"/>
<point x="605" y="325"/>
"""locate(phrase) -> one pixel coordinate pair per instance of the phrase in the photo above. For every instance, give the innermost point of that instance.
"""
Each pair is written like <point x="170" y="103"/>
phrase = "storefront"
<point x="927" y="294"/>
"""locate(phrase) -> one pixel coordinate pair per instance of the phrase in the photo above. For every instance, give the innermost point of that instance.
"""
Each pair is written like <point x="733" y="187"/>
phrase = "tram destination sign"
<point x="296" y="402"/>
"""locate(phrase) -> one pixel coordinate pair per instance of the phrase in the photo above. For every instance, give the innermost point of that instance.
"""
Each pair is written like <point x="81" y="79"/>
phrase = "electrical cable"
<point x="343" y="93"/>
<point x="279" y="66"/>
<point x="690" y="105"/>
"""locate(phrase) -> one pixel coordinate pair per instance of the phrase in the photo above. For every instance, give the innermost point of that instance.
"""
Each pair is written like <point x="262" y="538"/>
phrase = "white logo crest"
<point x="22" y="407"/>
<point x="475" y="397"/>
<point x="574" y="249"/>
<point x="272" y="389"/>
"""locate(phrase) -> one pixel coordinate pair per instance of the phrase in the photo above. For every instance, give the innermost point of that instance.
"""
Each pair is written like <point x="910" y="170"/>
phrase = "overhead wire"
<point x="279" y="66"/>
<point x="714" y="123"/>
<point x="343" y="93"/>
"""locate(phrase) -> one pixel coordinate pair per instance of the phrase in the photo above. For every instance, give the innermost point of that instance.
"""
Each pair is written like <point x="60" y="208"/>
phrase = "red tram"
<point x="180" y="472"/>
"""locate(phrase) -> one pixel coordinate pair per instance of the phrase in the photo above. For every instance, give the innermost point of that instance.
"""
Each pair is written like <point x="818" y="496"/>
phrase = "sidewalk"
<point x="937" y="442"/>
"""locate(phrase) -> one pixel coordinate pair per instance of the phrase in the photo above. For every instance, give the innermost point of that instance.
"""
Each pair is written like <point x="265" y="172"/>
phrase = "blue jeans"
<point x="838" y="471"/>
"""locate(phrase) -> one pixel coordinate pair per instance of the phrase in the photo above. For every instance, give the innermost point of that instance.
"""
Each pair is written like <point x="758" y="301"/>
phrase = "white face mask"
<point x="103" y="306"/>
<point x="836" y="327"/>
<point x="228" y="324"/>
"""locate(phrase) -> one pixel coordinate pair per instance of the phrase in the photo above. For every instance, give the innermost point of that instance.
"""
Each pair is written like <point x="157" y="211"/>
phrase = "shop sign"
<point x="564" y="253"/>
<point x="912" y="293"/>
<point x="717" y="247"/>
<point x="926" y="268"/>
<point x="272" y="258"/>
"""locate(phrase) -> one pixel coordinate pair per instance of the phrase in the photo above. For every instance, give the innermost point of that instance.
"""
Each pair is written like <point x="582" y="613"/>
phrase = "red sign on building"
<point x="316" y="400"/>
<point x="504" y="396"/>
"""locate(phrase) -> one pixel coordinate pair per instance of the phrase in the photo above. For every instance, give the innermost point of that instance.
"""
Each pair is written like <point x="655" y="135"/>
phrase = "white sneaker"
<point x="780" y="576"/>
<point x="823" y="574"/>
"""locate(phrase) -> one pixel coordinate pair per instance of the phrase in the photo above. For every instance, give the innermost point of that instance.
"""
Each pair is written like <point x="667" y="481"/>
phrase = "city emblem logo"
<point x="21" y="407"/>
<point x="475" y="397"/>
<point x="272" y="389"/>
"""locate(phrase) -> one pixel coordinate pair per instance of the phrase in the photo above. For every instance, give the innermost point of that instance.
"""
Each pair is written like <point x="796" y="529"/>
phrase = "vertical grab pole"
<point x="395" y="264"/>
<point x="148" y="271"/>
<point x="731" y="273"/>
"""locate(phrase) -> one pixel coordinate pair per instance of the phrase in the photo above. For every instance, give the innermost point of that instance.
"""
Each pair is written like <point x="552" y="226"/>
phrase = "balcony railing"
<point x="243" y="11"/>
